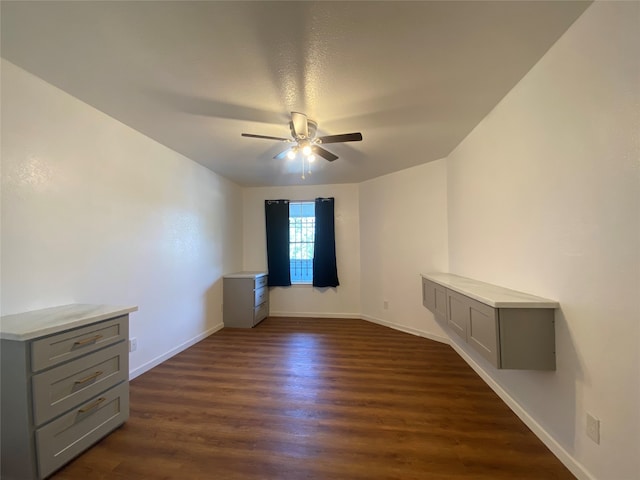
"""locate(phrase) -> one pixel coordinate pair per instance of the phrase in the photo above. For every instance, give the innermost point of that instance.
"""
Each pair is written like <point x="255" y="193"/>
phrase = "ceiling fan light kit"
<point x="303" y="135"/>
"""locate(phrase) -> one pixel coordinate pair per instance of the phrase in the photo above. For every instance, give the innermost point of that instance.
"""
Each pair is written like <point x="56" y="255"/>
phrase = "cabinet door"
<point x="440" y="301"/>
<point x="482" y="334"/>
<point x="457" y="313"/>
<point x="434" y="297"/>
<point x="428" y="295"/>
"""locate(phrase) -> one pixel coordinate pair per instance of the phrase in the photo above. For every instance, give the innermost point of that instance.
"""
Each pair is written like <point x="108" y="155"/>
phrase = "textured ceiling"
<point x="414" y="77"/>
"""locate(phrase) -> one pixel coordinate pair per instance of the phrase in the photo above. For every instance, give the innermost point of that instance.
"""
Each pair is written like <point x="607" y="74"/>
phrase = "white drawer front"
<point x="261" y="282"/>
<point x="260" y="313"/>
<point x="66" y="437"/>
<point x="261" y="296"/>
<point x="50" y="351"/>
<point x="62" y="388"/>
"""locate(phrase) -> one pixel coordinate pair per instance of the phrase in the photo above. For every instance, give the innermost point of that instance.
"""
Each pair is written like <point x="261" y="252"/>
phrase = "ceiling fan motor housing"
<point x="312" y="127"/>
<point x="303" y="133"/>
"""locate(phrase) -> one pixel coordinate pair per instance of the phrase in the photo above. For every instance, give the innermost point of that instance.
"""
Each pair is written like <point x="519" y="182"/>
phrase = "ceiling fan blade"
<point x="300" y="125"/>
<point x="345" y="137"/>
<point x="326" y="154"/>
<point x="283" y="154"/>
<point x="267" y="137"/>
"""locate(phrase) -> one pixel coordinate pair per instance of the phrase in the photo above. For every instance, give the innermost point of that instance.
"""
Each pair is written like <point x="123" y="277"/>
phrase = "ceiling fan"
<point x="303" y="133"/>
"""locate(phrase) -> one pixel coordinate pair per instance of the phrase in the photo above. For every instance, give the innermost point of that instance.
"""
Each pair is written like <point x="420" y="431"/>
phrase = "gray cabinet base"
<point x="53" y="407"/>
<point x="245" y="299"/>
<point x="512" y="337"/>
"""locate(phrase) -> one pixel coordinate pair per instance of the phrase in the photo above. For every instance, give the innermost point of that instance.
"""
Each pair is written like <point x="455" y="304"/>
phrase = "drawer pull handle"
<point x="88" y="340"/>
<point x="90" y="377"/>
<point x="92" y="406"/>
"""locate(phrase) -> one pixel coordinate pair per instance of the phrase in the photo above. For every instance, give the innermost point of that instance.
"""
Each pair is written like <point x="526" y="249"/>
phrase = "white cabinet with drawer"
<point x="65" y="384"/>
<point x="510" y="329"/>
<point x="245" y="299"/>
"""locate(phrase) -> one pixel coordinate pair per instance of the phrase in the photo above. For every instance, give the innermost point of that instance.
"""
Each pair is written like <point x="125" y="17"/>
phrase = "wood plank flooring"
<point x="316" y="399"/>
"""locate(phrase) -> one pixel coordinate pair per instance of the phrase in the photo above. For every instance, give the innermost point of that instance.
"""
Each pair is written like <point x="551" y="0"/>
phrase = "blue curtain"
<point x="277" y="223"/>
<point x="325" y="271"/>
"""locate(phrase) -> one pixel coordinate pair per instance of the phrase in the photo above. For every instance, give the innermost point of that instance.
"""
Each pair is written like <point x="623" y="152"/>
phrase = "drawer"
<point x="260" y="313"/>
<point x="261" y="282"/>
<point x="261" y="296"/>
<point x="50" y="351"/>
<point x="66" y="437"/>
<point x="62" y="388"/>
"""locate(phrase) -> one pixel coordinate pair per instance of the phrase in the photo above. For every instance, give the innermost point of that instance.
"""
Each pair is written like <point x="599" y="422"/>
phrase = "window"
<point x="302" y="226"/>
<point x="301" y="242"/>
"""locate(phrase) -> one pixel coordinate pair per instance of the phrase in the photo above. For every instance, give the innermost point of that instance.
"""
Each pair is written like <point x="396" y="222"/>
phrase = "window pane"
<point x="302" y="225"/>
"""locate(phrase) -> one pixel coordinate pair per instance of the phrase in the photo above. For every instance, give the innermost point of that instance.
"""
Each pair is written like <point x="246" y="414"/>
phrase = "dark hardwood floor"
<point x="316" y="399"/>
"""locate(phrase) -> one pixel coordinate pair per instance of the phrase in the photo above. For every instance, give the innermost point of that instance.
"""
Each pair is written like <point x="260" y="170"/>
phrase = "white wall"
<point x="304" y="300"/>
<point x="403" y="232"/>
<point x="95" y="212"/>
<point x="544" y="197"/>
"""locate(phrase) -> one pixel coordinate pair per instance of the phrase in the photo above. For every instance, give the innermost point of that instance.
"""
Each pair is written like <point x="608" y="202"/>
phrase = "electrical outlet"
<point x="593" y="428"/>
<point x="133" y="345"/>
<point x="386" y="304"/>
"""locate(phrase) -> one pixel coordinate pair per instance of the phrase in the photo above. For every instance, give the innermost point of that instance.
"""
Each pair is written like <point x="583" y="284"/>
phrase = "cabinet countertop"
<point x="245" y="275"/>
<point x="492" y="295"/>
<point x="37" y="323"/>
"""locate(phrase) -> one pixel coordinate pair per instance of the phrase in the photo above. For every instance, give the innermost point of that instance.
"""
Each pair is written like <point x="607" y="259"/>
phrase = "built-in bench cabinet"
<point x="510" y="329"/>
<point x="65" y="384"/>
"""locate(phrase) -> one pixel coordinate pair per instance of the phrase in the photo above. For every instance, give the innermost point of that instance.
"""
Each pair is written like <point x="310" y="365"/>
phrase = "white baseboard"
<point x="565" y="457"/>
<point x="402" y="328"/>
<point x="174" y="351"/>
<point x="314" y="315"/>
<point x="395" y="326"/>
<point x="571" y="463"/>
